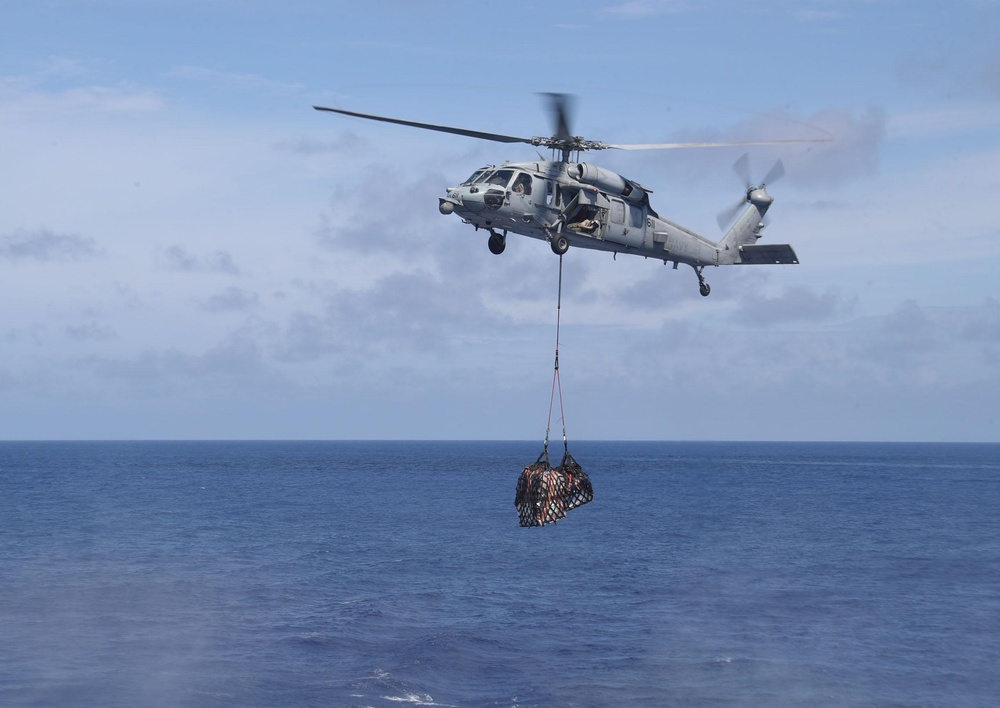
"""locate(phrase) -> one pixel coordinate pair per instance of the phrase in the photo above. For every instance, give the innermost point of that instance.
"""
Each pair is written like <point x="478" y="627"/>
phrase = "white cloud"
<point x="817" y="16"/>
<point x="347" y="143"/>
<point x="829" y="379"/>
<point x="232" y="299"/>
<point x="20" y="96"/>
<point x="991" y="72"/>
<point x="176" y="258"/>
<point x="853" y="147"/>
<point x="233" y="81"/>
<point x="947" y="121"/>
<point x="91" y="331"/>
<point x="266" y="263"/>
<point x="44" y="245"/>
<point x="693" y="186"/>
<point x="645" y="8"/>
<point x="796" y="303"/>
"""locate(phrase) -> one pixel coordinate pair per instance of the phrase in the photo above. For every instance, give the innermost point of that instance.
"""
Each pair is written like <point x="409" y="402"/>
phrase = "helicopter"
<point x="567" y="203"/>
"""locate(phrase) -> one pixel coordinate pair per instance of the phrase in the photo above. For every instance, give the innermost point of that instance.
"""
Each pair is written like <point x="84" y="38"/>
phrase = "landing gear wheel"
<point x="560" y="244"/>
<point x="497" y="243"/>
<point x="703" y="287"/>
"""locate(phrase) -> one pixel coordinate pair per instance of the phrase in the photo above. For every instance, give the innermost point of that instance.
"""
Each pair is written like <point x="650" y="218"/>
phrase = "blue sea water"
<point x="380" y="574"/>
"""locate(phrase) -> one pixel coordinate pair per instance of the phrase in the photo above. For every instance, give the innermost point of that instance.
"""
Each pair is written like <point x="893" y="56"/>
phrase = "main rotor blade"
<point x="742" y="169"/>
<point x="560" y="104"/>
<point x="673" y="146"/>
<point x="496" y="137"/>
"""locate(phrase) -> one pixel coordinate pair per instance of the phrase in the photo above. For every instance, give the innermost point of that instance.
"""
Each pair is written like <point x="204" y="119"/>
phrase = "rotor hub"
<point x="759" y="197"/>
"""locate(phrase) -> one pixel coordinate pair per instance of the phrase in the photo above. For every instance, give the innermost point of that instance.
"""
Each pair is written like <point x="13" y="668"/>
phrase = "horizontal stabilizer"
<point x="779" y="253"/>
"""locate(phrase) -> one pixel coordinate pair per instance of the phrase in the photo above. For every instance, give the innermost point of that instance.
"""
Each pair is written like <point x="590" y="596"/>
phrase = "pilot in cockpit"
<point x="522" y="185"/>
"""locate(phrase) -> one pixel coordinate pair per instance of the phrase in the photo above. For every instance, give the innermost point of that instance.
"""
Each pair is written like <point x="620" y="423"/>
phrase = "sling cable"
<point x="545" y="493"/>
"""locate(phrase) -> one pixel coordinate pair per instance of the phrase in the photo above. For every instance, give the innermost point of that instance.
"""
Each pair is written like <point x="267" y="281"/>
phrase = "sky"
<point x="189" y="251"/>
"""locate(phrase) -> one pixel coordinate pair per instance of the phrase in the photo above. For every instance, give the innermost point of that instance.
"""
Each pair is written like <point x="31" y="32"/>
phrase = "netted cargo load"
<point x="545" y="493"/>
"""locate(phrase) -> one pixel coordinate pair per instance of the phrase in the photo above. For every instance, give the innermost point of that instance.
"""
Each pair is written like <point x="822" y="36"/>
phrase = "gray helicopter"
<point x="570" y="203"/>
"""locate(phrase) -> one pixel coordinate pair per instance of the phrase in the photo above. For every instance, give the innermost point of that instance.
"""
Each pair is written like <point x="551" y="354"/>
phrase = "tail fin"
<point x="746" y="230"/>
<point x="739" y="245"/>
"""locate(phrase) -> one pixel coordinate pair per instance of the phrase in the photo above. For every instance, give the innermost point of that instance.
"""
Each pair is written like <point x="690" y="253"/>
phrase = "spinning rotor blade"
<point x="742" y="169"/>
<point x="563" y="139"/>
<point x="560" y="104"/>
<point x="496" y="137"/>
<point x="775" y="173"/>
<point x="673" y="146"/>
<point x="729" y="214"/>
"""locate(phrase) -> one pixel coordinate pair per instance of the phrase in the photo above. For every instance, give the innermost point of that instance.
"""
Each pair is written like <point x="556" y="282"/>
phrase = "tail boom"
<point x="739" y="245"/>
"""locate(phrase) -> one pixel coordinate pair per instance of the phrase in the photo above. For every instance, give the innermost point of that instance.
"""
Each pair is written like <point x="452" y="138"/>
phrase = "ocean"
<point x="389" y="573"/>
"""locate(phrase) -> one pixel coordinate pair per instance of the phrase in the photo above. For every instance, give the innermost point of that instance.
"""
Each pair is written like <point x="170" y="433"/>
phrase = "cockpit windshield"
<point x="477" y="176"/>
<point x="500" y="178"/>
<point x="490" y="176"/>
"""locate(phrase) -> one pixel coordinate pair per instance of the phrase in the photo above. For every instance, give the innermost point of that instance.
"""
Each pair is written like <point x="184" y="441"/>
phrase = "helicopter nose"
<point x="472" y="199"/>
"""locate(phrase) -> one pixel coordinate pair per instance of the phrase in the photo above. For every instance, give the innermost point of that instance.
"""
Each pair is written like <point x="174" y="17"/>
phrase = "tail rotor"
<point x="774" y="174"/>
<point x="742" y="169"/>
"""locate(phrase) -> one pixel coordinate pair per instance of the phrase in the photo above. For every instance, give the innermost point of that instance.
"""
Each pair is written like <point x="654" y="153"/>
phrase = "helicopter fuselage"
<point x="581" y="205"/>
<point x="570" y="203"/>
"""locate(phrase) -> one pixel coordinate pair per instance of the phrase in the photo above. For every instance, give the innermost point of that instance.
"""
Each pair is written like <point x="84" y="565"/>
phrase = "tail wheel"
<point x="560" y="244"/>
<point x="704" y="288"/>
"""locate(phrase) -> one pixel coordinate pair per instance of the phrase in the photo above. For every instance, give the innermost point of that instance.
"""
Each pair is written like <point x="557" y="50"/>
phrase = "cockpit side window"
<point x="522" y="185"/>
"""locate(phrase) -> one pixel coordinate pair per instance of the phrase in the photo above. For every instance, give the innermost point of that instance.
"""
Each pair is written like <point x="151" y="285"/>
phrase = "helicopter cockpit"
<point x="490" y="177"/>
<point x="493" y="183"/>
<point x="477" y="176"/>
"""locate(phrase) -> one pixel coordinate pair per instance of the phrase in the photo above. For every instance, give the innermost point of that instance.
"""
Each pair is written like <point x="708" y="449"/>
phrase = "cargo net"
<point x="545" y="493"/>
